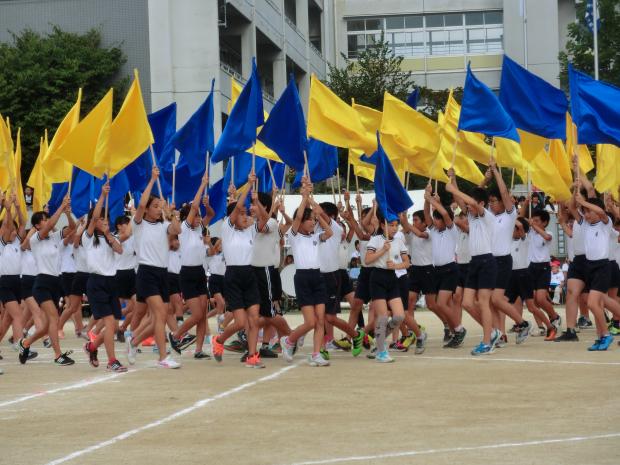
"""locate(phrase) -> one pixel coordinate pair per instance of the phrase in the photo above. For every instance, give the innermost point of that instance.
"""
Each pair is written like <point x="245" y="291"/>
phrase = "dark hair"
<point x="419" y="214"/>
<point x="596" y="201"/>
<point x="266" y="200"/>
<point x="494" y="192"/>
<point x="524" y="223"/>
<point x="148" y="204"/>
<point x="89" y="218"/>
<point x="438" y="216"/>
<point x="37" y="217"/>
<point x="230" y="208"/>
<point x="542" y="214"/>
<point x="214" y="240"/>
<point x="330" y="209"/>
<point x="480" y="195"/>
<point x="356" y="243"/>
<point x="306" y="215"/>
<point x="184" y="212"/>
<point x="521" y="198"/>
<point x="123" y="219"/>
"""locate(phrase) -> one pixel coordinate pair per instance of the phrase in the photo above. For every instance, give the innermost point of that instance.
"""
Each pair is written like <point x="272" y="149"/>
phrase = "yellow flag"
<point x="88" y="141"/>
<point x="57" y="169"/>
<point x="130" y="133"/>
<point x="560" y="159"/>
<point x="361" y="168"/>
<point x="607" y="168"/>
<point x="369" y="117"/>
<point x="334" y="122"/>
<point x="7" y="173"/>
<point x="585" y="158"/>
<point x="19" y="191"/>
<point x="37" y="180"/>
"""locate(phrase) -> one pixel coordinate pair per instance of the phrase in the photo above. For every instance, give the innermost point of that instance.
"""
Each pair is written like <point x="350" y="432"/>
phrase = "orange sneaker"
<point x="91" y="336"/>
<point x="254" y="361"/>
<point x="217" y="348"/>
<point x="148" y="342"/>
<point x="551" y="333"/>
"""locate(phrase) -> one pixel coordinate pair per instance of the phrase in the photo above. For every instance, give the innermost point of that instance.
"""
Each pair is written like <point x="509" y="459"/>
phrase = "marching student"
<point x="67" y="275"/>
<point x="151" y="235"/>
<point x="482" y="267"/>
<point x="217" y="270"/>
<point x="597" y="228"/>
<point x="387" y="254"/>
<point x="310" y="289"/>
<point x="463" y="257"/>
<point x="444" y="236"/>
<point x="125" y="264"/>
<point x="101" y="247"/>
<point x="192" y="276"/>
<point x="175" y="307"/>
<point x="240" y="285"/>
<point x="45" y="246"/>
<point x="29" y="273"/>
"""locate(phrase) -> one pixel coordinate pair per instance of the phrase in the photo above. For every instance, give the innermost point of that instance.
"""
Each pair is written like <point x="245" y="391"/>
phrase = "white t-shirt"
<point x="538" y="247"/>
<point x="579" y="246"/>
<point x="420" y="249"/>
<point x="443" y="244"/>
<point x="174" y="261"/>
<point x="29" y="265"/>
<point x="81" y="261"/>
<point x="328" y="249"/>
<point x="343" y="255"/>
<point x="46" y="252"/>
<point x="520" y="255"/>
<point x="481" y="230"/>
<point x="100" y="258"/>
<point x="237" y="244"/>
<point x="126" y="260"/>
<point x="67" y="262"/>
<point x="305" y="248"/>
<point x="191" y="247"/>
<point x="10" y="257"/>
<point x="266" y="243"/>
<point x="463" y="256"/>
<point x="502" y="232"/>
<point x="596" y="239"/>
<point x="397" y="247"/>
<point x="151" y="242"/>
<point x="557" y="278"/>
<point x="217" y="265"/>
<point x="362" y="253"/>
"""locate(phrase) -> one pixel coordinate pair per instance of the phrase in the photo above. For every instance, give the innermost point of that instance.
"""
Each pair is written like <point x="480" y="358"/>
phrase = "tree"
<point x="40" y="76"/>
<point x="580" y="44"/>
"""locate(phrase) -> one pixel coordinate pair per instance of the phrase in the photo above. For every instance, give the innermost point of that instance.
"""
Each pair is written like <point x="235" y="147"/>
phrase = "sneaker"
<point x="373" y="354"/>
<point x="613" y="330"/>
<point x="287" y="349"/>
<point x="83" y="335"/>
<point x="174" y="343"/>
<point x="496" y="335"/>
<point x="317" y="361"/>
<point x="47" y="343"/>
<point x="482" y="349"/>
<point x="447" y="334"/>
<point x="343" y="344"/>
<point x="277" y="348"/>
<point x="384" y="357"/>
<point x="116" y="366"/>
<point x="457" y="340"/>
<point x="366" y="343"/>
<point x="168" y="362"/>
<point x="594" y="347"/>
<point x="523" y="332"/>
<point x="32" y="354"/>
<point x="605" y="342"/>
<point x="244" y="357"/>
<point x="557" y="323"/>
<point x="584" y="322"/>
<point x="217" y="349"/>
<point x="120" y="336"/>
<point x="186" y="341"/>
<point x="567" y="336"/>
<point x="551" y="333"/>
<point x="131" y="350"/>
<point x="23" y="351"/>
<point x="325" y="354"/>
<point x="502" y="341"/>
<point x="392" y="346"/>
<point x="92" y="355"/>
<point x="357" y="343"/>
<point x="148" y="342"/>
<point x="237" y="346"/>
<point x="408" y="340"/>
<point x="200" y="355"/>
<point x="420" y="344"/>
<point x="64" y="359"/>
<point x="515" y="329"/>
<point x="300" y="341"/>
<point x="400" y="347"/>
<point x="254" y="361"/>
<point x="265" y="352"/>
<point x="91" y="336"/>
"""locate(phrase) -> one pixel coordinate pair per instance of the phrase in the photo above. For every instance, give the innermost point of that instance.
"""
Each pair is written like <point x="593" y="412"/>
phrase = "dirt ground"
<point x="538" y="403"/>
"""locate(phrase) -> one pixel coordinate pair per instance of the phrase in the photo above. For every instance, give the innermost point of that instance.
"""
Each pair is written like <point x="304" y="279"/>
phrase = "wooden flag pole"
<point x="232" y="171"/>
<point x="338" y="181"/>
<point x="161" y="192"/>
<point x="107" y="197"/>
<point x="407" y="180"/>
<point x="273" y="179"/>
<point x="512" y="180"/>
<point x="255" y="186"/>
<point x="174" y="179"/>
<point x="284" y="182"/>
<point x="492" y="149"/>
<point x="331" y="181"/>
<point x="306" y="166"/>
<point x="348" y="174"/>
<point x="529" y="192"/>
<point x="576" y="153"/>
<point x="456" y="141"/>
<point x="208" y="170"/>
<point x="357" y="185"/>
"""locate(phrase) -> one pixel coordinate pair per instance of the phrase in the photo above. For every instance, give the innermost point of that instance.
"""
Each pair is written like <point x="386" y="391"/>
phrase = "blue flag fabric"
<point x="246" y="116"/>
<point x="481" y="111"/>
<point x="85" y="191"/>
<point x="243" y="167"/>
<point x="391" y="195"/>
<point x="265" y="183"/>
<point x="412" y="99"/>
<point x="322" y="162"/>
<point x="59" y="190"/>
<point x="589" y="16"/>
<point x="594" y="108"/>
<point x="196" y="137"/>
<point x="534" y="105"/>
<point x="285" y="130"/>
<point x="218" y="198"/>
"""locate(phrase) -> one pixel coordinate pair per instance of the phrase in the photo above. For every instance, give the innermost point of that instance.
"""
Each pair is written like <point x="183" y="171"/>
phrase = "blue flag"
<point x="594" y="108"/>
<point x="265" y="183"/>
<point x="589" y="16"/>
<point x="196" y="138"/>
<point x="412" y="99"/>
<point x="218" y="198"/>
<point x="59" y="190"/>
<point x="322" y="162"/>
<point x="533" y="104"/>
<point x="285" y="130"/>
<point x="481" y="111"/>
<point x="391" y="195"/>
<point x="246" y="116"/>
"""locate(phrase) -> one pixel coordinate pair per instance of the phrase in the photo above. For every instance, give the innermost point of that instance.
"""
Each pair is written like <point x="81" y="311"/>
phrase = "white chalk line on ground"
<point x="180" y="413"/>
<point x="412" y="453"/>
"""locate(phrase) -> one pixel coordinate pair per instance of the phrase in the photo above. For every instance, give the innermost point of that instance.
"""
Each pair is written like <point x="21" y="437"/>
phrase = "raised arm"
<point x="241" y="199"/>
<point x="209" y="212"/>
<point x="105" y="191"/>
<point x="563" y="220"/>
<point x="300" y="211"/>
<point x="503" y="190"/>
<point x="436" y="203"/>
<point x="598" y="211"/>
<point x="262" y="215"/>
<point x="51" y="223"/>
<point x="428" y="219"/>
<point x="288" y="221"/>
<point x="320" y="214"/>
<point x="144" y="199"/>
<point x="195" y="206"/>
<point x="7" y="222"/>
<point x="174" y="228"/>
<point x="453" y="189"/>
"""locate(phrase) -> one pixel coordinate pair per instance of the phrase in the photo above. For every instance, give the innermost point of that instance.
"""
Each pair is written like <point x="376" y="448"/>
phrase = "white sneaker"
<point x="131" y="350"/>
<point x="317" y="361"/>
<point x="300" y="341"/>
<point x="330" y="346"/>
<point x="287" y="349"/>
<point x="168" y="362"/>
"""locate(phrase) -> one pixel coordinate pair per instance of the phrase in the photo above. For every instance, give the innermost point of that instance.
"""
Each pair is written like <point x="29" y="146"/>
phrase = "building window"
<point x="476" y="32"/>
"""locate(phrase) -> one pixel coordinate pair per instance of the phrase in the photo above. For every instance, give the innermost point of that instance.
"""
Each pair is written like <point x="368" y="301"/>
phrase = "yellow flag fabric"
<point x="361" y="168"/>
<point x="369" y="117"/>
<point x="42" y="188"/>
<point x="607" y="168"/>
<point x="507" y="153"/>
<point x="260" y="149"/>
<point x="19" y="191"/>
<point x="130" y="133"/>
<point x="6" y="143"/>
<point x="57" y="169"/>
<point x="7" y="173"/>
<point x="88" y="141"/>
<point x="585" y="158"/>
<point x="560" y="159"/>
<point x="334" y="122"/>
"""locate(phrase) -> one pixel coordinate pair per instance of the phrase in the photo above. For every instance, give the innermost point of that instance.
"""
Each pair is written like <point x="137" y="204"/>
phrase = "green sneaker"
<point x="324" y="354"/>
<point x="408" y="340"/>
<point x="356" y="349"/>
<point x="613" y="330"/>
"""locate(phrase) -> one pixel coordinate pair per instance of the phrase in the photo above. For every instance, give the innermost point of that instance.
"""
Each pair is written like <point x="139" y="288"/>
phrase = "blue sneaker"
<point x="496" y="335"/>
<point x="482" y="349"/>
<point x="594" y="347"/>
<point x="384" y="357"/>
<point x="605" y="342"/>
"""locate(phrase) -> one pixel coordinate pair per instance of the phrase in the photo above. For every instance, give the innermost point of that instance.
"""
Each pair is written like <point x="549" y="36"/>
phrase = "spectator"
<point x="356" y="252"/>
<point x="354" y="269"/>
<point x="288" y="260"/>
<point x="557" y="282"/>
<point x="28" y="194"/>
